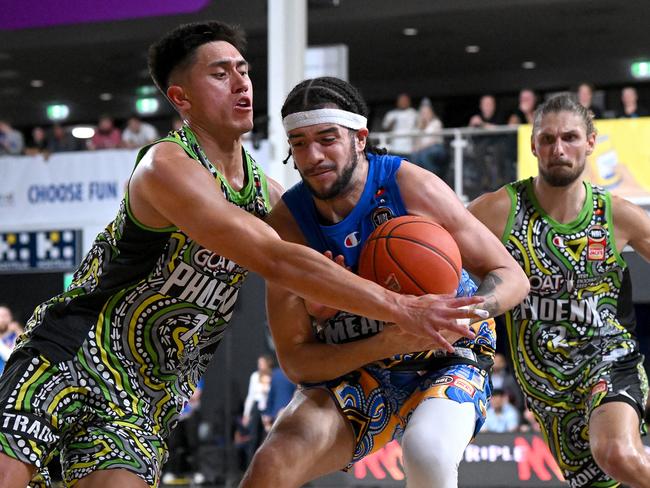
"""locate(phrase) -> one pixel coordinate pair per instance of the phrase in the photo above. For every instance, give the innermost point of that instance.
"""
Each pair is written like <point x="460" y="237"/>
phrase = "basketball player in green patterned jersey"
<point x="104" y="369"/>
<point x="572" y="340"/>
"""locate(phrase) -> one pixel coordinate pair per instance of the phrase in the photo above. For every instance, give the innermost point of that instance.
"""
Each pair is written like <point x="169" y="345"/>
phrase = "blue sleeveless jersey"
<point x="380" y="201"/>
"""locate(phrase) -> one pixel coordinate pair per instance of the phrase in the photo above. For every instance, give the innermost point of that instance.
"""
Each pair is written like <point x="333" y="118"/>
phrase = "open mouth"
<point x="243" y="103"/>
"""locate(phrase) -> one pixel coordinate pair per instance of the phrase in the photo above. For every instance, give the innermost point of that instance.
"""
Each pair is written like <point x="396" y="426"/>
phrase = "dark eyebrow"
<point x="327" y="130"/>
<point x="228" y="61"/>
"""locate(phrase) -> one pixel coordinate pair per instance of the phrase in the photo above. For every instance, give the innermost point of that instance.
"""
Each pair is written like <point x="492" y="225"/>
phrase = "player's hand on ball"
<point x="428" y="315"/>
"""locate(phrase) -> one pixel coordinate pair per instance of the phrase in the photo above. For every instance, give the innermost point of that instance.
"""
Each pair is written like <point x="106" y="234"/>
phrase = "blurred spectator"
<point x="138" y="133"/>
<point x="107" y="136"/>
<point x="585" y="94"/>
<point x="631" y="108"/>
<point x="487" y="116"/>
<point x="37" y="143"/>
<point x="11" y="140"/>
<point x="501" y="415"/>
<point x="280" y="395"/>
<point x="183" y="463"/>
<point x="526" y="110"/>
<point x="489" y="149"/>
<point x="400" y="120"/>
<point x="9" y="332"/>
<point x="429" y="149"/>
<point x="529" y="422"/>
<point x="62" y="140"/>
<point x="255" y="403"/>
<point x="503" y="379"/>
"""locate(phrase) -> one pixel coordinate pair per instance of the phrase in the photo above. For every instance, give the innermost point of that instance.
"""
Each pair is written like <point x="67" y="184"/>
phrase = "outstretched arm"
<point x="304" y="359"/>
<point x="169" y="188"/>
<point x="503" y="283"/>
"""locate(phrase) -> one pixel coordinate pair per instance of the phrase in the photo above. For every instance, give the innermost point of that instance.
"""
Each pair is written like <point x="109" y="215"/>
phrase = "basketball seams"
<point x="399" y="264"/>
<point x="373" y="260"/>
<point x="389" y="235"/>
<point x="379" y="258"/>
<point x="424" y="245"/>
<point x="436" y="251"/>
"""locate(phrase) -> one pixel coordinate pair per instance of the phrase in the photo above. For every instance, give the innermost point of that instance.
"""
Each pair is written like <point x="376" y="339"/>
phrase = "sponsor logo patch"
<point x="596" y="233"/>
<point x="600" y="387"/>
<point x="444" y="380"/>
<point x="595" y="252"/>
<point x="596" y="240"/>
<point x="464" y="385"/>
<point x="381" y="215"/>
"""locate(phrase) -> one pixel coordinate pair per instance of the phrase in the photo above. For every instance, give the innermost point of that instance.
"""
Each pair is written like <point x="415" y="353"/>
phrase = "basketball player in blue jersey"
<point x="573" y="342"/>
<point x="103" y="370"/>
<point x="365" y="383"/>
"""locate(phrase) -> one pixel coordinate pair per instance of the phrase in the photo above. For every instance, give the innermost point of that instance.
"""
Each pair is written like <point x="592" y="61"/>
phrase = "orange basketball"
<point x="411" y="255"/>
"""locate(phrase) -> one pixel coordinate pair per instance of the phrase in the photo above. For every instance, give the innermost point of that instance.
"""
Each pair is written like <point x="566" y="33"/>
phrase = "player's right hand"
<point x="428" y="315"/>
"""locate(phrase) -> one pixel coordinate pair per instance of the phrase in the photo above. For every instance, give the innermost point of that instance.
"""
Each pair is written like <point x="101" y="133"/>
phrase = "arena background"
<point x="80" y="50"/>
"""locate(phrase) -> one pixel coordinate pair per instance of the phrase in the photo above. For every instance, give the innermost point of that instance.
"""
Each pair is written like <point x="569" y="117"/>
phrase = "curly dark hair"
<point x="177" y="47"/>
<point x="327" y="92"/>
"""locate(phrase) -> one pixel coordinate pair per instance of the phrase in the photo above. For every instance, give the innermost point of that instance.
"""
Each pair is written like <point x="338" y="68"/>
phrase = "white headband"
<point x="324" y="116"/>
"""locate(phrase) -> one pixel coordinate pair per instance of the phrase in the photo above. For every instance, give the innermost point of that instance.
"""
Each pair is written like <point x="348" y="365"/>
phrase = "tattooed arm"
<point x="503" y="283"/>
<point x="491" y="282"/>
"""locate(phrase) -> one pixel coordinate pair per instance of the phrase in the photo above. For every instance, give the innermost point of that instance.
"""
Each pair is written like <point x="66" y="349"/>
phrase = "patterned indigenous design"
<point x="108" y="365"/>
<point x="378" y="402"/>
<point x="572" y="339"/>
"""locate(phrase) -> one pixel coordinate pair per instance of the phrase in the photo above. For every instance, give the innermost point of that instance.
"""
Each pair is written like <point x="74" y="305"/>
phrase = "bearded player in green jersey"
<point x="572" y="340"/>
<point x="104" y="369"/>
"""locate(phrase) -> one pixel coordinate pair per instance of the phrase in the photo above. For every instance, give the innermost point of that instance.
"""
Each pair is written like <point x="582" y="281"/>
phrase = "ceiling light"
<point x="36" y="83"/>
<point x="146" y="106"/>
<point x="57" y="112"/>
<point x="472" y="49"/>
<point x="144" y="90"/>
<point x="640" y="69"/>
<point x="410" y="31"/>
<point x="105" y="97"/>
<point x="528" y="65"/>
<point x="83" y="132"/>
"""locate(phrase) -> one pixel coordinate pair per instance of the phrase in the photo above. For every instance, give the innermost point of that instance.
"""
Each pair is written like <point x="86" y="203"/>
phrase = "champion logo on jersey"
<point x="352" y="240"/>
<point x="558" y="242"/>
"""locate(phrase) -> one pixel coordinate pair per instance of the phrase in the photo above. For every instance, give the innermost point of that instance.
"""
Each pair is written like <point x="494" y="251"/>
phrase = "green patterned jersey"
<point x="579" y="311"/>
<point x="148" y="307"/>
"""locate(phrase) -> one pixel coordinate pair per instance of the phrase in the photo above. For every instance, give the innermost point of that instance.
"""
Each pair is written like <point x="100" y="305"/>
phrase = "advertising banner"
<point x="619" y="163"/>
<point x="66" y="190"/>
<point x="490" y="461"/>
<point x="74" y="189"/>
<point x="52" y="250"/>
